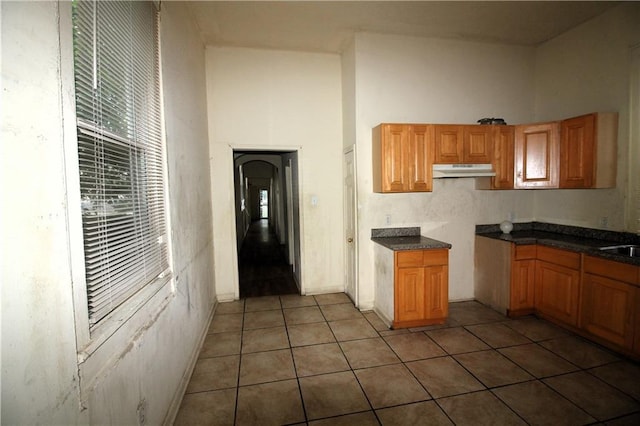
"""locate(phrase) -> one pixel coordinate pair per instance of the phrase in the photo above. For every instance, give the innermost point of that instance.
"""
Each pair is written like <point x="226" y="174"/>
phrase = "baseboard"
<point x="174" y="407"/>
<point x="323" y="290"/>
<point x="387" y="321"/>
<point x="226" y="297"/>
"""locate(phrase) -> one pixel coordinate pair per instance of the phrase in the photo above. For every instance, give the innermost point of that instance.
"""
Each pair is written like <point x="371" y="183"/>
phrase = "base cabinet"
<point x="522" y="286"/>
<point x="558" y="284"/>
<point x="421" y="287"/>
<point x="609" y="303"/>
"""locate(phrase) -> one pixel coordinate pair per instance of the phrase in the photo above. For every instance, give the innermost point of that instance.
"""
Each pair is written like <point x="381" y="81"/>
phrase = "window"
<point x="120" y="150"/>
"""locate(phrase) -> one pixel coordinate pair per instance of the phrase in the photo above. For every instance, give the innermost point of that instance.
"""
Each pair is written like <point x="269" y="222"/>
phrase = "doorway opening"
<point x="267" y="222"/>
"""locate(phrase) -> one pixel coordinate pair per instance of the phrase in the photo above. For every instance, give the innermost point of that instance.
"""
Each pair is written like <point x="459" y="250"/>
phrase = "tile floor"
<point x="317" y="360"/>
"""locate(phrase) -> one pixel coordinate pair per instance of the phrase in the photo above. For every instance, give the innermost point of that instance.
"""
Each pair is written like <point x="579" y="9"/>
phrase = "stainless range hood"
<point x="462" y="170"/>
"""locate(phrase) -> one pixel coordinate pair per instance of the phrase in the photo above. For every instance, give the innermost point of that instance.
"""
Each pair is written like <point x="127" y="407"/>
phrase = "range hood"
<point x="462" y="170"/>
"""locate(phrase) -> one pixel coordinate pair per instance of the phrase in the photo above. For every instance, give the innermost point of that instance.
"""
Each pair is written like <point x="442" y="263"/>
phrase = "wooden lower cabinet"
<point x="522" y="286"/>
<point x="609" y="302"/>
<point x="557" y="284"/>
<point x="421" y="287"/>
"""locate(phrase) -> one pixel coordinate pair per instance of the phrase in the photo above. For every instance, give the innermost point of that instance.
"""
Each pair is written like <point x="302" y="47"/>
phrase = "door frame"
<point x="351" y="219"/>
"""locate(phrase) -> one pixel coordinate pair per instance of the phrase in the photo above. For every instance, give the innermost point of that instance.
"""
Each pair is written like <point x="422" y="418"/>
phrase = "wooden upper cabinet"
<point x="448" y="144"/>
<point x="401" y="158"/>
<point x="477" y="144"/>
<point x="588" y="150"/>
<point x="536" y="155"/>
<point x="460" y="144"/>
<point x="503" y="155"/>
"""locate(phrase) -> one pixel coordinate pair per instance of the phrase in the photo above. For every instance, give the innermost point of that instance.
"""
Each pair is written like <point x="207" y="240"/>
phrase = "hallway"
<point x="262" y="264"/>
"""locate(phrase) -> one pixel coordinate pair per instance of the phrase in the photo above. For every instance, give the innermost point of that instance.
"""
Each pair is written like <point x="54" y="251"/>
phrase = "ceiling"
<point x="327" y="26"/>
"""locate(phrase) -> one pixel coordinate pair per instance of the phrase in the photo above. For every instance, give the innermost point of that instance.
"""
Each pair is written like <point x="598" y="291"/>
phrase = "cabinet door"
<point x="503" y="153"/>
<point x="557" y="290"/>
<point x="436" y="292"/>
<point x="395" y="152"/>
<point x="577" y="152"/>
<point x="536" y="159"/>
<point x="409" y="294"/>
<point x="607" y="309"/>
<point x="448" y="143"/>
<point x="522" y="293"/>
<point x="419" y="157"/>
<point x="477" y="144"/>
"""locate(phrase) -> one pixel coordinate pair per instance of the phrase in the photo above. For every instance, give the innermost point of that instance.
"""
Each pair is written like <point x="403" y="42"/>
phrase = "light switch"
<point x="314" y="200"/>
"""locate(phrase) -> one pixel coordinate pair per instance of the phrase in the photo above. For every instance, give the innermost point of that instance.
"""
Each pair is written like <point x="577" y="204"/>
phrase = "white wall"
<point x="406" y="79"/>
<point x="582" y="71"/>
<point x="279" y="101"/>
<point x="40" y="381"/>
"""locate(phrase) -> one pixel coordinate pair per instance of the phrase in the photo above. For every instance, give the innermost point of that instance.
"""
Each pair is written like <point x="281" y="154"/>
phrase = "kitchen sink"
<point x="624" y="250"/>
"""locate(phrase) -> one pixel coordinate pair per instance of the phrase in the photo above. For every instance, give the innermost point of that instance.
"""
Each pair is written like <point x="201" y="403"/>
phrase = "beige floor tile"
<point x="352" y="329"/>
<point x="467" y="313"/>
<point x="630" y="420"/>
<point x="375" y="321"/>
<point x="214" y="373"/>
<point x="207" y="408"/>
<point x="395" y="332"/>
<point x="340" y="311"/>
<point x="368" y="353"/>
<point x="262" y="367"/>
<point x="497" y="335"/>
<point x="537" y="360"/>
<point x="319" y="359"/>
<point x="225" y="322"/>
<point x="263" y="319"/>
<point x="492" y="368"/>
<point x="622" y="375"/>
<point x="422" y="413"/>
<point x="273" y="403"/>
<point x="535" y="329"/>
<point x="449" y="322"/>
<point x="537" y="404"/>
<point x="593" y="395"/>
<point x="304" y="315"/>
<point x="310" y="334"/>
<point x="390" y="385"/>
<point x="444" y="377"/>
<point x="578" y="351"/>
<point x="235" y="307"/>
<point x="479" y="408"/>
<point x="297" y="301"/>
<point x="457" y="340"/>
<point x="266" y="303"/>
<point x="219" y="344"/>
<point x="332" y="298"/>
<point x="322" y="398"/>
<point x="414" y="346"/>
<point x="360" y="419"/>
<point x="265" y="339"/>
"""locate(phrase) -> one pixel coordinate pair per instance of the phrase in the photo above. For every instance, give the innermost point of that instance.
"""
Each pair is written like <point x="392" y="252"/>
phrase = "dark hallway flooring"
<point x="262" y="264"/>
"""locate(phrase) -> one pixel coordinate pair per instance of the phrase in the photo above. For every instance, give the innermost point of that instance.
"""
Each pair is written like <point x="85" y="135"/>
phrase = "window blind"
<point x="120" y="150"/>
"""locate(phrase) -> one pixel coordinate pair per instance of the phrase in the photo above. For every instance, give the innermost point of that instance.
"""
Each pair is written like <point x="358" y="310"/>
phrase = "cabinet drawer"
<point x="436" y="257"/>
<point x="408" y="258"/>
<point x="560" y="257"/>
<point x="525" y="252"/>
<point x="419" y="258"/>
<point x="611" y="269"/>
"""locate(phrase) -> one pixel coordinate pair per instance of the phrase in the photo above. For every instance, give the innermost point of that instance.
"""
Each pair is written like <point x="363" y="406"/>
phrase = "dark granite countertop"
<point x="582" y="240"/>
<point x="405" y="239"/>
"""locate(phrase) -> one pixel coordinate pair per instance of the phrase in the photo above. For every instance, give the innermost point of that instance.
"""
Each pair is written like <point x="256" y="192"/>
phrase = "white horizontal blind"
<point x="120" y="150"/>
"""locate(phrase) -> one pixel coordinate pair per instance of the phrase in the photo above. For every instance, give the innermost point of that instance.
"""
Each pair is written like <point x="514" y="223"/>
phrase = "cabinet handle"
<point x="349" y="240"/>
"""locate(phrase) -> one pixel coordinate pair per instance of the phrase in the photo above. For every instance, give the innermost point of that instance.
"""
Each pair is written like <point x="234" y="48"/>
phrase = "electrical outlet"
<point x="387" y="219"/>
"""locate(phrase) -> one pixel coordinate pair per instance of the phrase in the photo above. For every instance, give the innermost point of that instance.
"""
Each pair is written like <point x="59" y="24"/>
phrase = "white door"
<point x="350" y="221"/>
